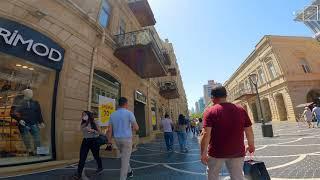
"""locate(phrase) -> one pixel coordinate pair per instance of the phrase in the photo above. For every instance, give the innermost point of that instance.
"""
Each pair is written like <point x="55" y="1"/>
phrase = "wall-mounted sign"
<point x="153" y="118"/>
<point x="140" y="97"/>
<point x="106" y="107"/>
<point x="23" y="42"/>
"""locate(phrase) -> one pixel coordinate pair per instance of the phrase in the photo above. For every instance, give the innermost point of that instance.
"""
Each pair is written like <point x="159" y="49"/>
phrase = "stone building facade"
<point x="108" y="48"/>
<point x="288" y="75"/>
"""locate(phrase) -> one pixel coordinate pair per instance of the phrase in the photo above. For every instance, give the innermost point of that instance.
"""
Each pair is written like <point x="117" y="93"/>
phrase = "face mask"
<point x="85" y="117"/>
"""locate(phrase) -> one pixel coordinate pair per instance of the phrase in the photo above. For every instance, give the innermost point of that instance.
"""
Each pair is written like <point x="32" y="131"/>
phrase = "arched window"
<point x="305" y="66"/>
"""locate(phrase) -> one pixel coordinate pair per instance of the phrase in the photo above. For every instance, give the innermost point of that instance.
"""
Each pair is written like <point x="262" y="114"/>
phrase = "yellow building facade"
<point x="69" y="53"/>
<point x="288" y="70"/>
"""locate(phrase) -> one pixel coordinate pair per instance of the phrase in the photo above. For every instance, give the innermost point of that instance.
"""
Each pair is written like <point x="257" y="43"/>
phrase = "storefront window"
<point x="26" y="93"/>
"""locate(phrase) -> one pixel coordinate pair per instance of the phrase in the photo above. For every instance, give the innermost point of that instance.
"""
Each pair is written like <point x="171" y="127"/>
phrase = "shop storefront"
<point x="140" y="113"/>
<point x="30" y="63"/>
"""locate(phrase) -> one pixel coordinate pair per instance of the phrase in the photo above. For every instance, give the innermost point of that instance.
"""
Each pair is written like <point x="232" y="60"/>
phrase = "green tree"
<point x="196" y="115"/>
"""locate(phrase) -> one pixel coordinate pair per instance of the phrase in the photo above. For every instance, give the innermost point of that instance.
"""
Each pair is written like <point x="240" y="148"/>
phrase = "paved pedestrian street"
<point x="294" y="153"/>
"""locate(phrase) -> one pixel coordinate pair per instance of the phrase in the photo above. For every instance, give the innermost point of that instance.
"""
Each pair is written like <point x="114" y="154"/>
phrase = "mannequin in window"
<point x="28" y="114"/>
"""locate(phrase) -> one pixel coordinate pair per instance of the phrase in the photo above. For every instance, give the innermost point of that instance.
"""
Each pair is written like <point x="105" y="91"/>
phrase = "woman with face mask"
<point x="91" y="133"/>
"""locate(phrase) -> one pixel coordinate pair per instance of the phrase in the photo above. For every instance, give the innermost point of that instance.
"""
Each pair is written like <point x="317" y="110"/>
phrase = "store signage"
<point x="106" y="107"/>
<point x="140" y="97"/>
<point x="23" y="42"/>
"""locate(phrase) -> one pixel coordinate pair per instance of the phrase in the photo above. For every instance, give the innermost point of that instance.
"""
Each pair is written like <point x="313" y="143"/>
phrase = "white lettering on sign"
<point x="38" y="48"/>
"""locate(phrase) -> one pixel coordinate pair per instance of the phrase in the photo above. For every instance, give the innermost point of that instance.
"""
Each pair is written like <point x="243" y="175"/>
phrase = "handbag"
<point x="314" y="118"/>
<point x="102" y="140"/>
<point x="255" y="170"/>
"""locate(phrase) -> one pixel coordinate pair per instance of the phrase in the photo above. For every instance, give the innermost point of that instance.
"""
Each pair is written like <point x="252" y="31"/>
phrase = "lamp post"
<point x="267" y="130"/>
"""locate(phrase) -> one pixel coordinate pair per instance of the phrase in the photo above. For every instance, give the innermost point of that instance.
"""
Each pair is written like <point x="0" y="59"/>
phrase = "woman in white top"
<point x="307" y="115"/>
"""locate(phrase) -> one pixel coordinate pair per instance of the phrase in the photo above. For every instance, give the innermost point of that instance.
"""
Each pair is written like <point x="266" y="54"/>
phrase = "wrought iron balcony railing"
<point x="244" y="93"/>
<point x="169" y="90"/>
<point x="143" y="45"/>
<point x="140" y="37"/>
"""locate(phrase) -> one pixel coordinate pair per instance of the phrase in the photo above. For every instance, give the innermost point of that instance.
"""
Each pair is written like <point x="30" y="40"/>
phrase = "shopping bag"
<point x="255" y="170"/>
<point x="102" y="140"/>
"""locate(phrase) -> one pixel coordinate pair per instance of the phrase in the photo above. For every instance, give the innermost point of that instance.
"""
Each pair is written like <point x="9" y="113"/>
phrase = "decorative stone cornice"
<point x="82" y="14"/>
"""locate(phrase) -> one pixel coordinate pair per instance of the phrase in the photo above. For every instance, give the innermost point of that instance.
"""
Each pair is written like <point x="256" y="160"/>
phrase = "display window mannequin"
<point x="27" y="112"/>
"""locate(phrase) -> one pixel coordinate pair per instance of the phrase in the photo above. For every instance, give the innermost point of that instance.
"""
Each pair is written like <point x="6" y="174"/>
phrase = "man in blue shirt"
<point x="122" y="123"/>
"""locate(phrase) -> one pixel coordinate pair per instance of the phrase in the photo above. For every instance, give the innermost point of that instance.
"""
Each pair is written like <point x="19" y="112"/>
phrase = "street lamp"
<point x="267" y="130"/>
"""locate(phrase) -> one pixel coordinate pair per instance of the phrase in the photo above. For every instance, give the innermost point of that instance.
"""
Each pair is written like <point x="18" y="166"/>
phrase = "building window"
<point x="104" y="14"/>
<point x="305" y="66"/>
<point x="248" y="85"/>
<point x="241" y="88"/>
<point x="26" y="98"/>
<point x="272" y="70"/>
<point x="103" y="85"/>
<point x="261" y="76"/>
<point x="122" y="27"/>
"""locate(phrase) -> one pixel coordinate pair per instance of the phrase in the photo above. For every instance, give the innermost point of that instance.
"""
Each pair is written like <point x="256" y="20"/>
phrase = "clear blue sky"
<point x="213" y="37"/>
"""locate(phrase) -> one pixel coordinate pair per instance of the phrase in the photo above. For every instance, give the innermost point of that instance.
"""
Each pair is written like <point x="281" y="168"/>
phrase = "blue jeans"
<point x="168" y="137"/>
<point x="318" y="122"/>
<point x="182" y="137"/>
<point x="35" y="133"/>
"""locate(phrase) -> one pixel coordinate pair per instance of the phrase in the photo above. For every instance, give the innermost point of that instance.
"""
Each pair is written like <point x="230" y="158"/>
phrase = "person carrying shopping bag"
<point x="91" y="132"/>
<point x="222" y="139"/>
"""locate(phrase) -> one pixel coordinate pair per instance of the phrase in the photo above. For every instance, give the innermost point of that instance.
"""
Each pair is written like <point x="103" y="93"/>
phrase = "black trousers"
<point x="89" y="144"/>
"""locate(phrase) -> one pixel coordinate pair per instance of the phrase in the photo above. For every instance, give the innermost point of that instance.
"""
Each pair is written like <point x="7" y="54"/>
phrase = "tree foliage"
<point x="196" y="115"/>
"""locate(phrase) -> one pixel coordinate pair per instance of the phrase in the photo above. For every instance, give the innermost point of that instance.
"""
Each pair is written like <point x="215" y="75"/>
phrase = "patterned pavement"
<point x="294" y="153"/>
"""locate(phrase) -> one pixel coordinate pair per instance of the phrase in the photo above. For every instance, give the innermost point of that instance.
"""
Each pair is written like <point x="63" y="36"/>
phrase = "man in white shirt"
<point x="167" y="125"/>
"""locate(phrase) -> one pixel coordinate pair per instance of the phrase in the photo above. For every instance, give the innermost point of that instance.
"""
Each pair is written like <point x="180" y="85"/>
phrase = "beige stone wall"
<point x="73" y="25"/>
<point x="291" y="81"/>
<point x="77" y="37"/>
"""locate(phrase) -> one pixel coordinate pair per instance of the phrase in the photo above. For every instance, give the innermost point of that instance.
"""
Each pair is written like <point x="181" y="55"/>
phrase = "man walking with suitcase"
<point x="222" y="139"/>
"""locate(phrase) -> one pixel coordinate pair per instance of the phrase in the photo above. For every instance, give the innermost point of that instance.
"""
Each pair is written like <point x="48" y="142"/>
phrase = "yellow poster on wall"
<point x="154" y="118"/>
<point x="106" y="107"/>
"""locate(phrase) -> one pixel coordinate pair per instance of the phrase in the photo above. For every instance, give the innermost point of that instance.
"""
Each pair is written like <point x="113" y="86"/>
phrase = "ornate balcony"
<point x="167" y="59"/>
<point x="173" y="71"/>
<point x="140" y="51"/>
<point x="169" y="90"/>
<point x="244" y="94"/>
<point x="143" y="12"/>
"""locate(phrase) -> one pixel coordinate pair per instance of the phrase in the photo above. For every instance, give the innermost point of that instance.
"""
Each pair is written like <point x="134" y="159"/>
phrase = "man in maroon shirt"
<point x="222" y="139"/>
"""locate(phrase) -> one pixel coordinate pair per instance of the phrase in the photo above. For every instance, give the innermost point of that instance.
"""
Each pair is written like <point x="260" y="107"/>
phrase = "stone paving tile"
<point x="152" y="162"/>
<point x="283" y="150"/>
<point x="271" y="162"/>
<point x="308" y="168"/>
<point x="64" y="174"/>
<point x="307" y="141"/>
